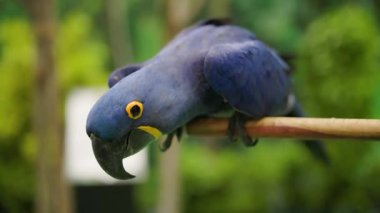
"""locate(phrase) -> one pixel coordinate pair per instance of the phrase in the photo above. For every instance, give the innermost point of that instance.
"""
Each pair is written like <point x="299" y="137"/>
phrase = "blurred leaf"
<point x="337" y="71"/>
<point x="338" y="63"/>
<point x="81" y="60"/>
<point x="80" y="57"/>
<point x="376" y="102"/>
<point x="273" y="21"/>
<point x="239" y="179"/>
<point x="16" y="68"/>
<point x="149" y="38"/>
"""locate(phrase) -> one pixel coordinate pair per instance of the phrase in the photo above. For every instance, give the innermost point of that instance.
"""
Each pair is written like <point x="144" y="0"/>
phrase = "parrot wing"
<point x="120" y="73"/>
<point x="253" y="80"/>
<point x="249" y="76"/>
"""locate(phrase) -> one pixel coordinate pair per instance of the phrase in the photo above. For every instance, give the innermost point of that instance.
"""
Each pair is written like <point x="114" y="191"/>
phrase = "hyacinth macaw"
<point x="207" y="68"/>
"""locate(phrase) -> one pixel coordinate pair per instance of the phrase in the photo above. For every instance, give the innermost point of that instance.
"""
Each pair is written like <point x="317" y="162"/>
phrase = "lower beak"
<point x="110" y="154"/>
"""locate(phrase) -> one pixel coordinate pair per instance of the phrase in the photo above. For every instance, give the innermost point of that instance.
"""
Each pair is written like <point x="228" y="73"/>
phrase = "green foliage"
<point x="338" y="63"/>
<point x="16" y="62"/>
<point x="146" y="28"/>
<point x="273" y="21"/>
<point x="81" y="60"/>
<point x="16" y="67"/>
<point x="145" y="44"/>
<point x="236" y="179"/>
<point x="337" y="70"/>
<point x="273" y="176"/>
<point x="376" y="102"/>
<point x="10" y="8"/>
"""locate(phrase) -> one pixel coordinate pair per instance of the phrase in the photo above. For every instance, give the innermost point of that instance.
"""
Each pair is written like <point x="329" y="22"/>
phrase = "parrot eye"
<point x="134" y="109"/>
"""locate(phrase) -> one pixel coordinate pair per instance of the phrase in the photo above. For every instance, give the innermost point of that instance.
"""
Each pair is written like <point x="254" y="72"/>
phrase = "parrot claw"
<point x="249" y="142"/>
<point x="165" y="145"/>
<point x="231" y="130"/>
<point x="236" y="125"/>
<point x="178" y="133"/>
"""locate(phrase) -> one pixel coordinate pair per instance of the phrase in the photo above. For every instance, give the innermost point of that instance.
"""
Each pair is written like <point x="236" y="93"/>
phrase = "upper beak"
<point x="110" y="154"/>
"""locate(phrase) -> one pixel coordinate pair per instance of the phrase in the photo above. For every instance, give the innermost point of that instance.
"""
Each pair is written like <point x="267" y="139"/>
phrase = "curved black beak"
<point x="110" y="154"/>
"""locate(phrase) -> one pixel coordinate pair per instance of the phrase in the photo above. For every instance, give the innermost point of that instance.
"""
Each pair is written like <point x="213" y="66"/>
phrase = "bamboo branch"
<point x="287" y="127"/>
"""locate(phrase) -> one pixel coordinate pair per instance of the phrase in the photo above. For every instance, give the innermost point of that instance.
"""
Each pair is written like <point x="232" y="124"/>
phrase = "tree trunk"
<point x="51" y="192"/>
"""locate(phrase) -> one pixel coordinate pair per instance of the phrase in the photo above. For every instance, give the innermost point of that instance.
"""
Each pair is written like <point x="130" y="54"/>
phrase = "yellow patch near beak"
<point x="151" y="130"/>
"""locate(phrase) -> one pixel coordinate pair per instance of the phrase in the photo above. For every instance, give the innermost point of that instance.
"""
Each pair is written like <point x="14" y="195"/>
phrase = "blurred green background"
<point x="334" y="46"/>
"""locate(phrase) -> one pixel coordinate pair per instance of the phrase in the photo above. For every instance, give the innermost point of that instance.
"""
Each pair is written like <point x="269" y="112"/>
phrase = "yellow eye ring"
<point x="134" y="109"/>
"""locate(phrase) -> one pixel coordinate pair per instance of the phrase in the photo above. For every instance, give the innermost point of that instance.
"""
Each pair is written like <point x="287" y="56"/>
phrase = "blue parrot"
<point x="209" y="67"/>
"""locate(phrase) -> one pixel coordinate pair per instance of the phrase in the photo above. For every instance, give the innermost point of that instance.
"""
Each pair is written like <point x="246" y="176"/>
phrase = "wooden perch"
<point x="288" y="127"/>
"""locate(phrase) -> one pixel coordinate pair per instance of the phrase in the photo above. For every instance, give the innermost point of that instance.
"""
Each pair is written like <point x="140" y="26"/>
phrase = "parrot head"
<point x="120" y="124"/>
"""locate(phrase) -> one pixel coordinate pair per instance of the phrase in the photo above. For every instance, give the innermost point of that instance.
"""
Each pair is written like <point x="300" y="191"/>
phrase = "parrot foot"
<point x="178" y="133"/>
<point x="165" y="145"/>
<point x="250" y="142"/>
<point x="231" y="130"/>
<point x="236" y="124"/>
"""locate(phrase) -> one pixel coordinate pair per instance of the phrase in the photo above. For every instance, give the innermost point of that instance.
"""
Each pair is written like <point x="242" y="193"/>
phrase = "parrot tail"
<point x="316" y="147"/>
